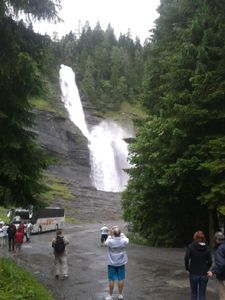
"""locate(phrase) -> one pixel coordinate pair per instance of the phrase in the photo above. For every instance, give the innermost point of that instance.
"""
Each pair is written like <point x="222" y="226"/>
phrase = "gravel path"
<point x="152" y="273"/>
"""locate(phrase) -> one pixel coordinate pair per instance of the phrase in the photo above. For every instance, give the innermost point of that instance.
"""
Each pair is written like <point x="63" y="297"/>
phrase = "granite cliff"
<point x="59" y="137"/>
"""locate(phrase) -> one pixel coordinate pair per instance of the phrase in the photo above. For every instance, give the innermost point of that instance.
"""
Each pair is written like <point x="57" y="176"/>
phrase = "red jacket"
<point x="19" y="237"/>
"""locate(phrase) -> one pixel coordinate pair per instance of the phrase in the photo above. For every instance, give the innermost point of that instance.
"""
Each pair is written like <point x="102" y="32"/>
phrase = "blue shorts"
<point x="116" y="273"/>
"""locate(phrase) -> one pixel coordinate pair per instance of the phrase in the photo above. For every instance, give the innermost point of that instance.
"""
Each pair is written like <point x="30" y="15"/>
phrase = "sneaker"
<point x="120" y="297"/>
<point x="109" y="297"/>
<point x="65" y="276"/>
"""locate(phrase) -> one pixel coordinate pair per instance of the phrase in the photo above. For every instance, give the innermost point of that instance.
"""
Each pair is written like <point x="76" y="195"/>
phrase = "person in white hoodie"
<point x="116" y="260"/>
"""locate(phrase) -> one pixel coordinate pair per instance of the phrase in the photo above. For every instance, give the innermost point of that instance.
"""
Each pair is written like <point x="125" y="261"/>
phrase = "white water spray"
<point x="108" y="150"/>
<point x="71" y="98"/>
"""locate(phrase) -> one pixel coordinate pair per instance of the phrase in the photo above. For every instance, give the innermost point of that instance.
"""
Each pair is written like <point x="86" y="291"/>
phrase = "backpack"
<point x="59" y="245"/>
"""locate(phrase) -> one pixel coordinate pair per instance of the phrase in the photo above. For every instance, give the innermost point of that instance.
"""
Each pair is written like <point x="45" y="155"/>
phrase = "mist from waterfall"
<point x="108" y="150"/>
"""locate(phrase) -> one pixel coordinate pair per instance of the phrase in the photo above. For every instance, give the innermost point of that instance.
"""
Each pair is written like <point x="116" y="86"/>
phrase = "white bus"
<point x="43" y="219"/>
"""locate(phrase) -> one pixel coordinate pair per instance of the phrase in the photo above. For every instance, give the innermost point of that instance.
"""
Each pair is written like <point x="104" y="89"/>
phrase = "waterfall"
<point x="108" y="154"/>
<point x="71" y="98"/>
<point x="108" y="150"/>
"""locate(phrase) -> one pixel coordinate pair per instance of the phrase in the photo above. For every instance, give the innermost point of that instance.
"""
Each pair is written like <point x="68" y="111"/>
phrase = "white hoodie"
<point x="117" y="255"/>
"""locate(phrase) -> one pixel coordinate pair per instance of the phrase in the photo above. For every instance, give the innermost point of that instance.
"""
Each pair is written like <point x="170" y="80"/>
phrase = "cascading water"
<point x="108" y="150"/>
<point x="71" y="98"/>
<point x="108" y="153"/>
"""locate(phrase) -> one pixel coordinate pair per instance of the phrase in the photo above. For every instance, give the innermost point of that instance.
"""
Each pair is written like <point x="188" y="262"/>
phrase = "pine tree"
<point x="23" y="58"/>
<point x="179" y="153"/>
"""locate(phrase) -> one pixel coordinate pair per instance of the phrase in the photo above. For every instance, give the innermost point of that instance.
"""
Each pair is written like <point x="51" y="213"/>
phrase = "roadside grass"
<point x="18" y="284"/>
<point x="71" y="220"/>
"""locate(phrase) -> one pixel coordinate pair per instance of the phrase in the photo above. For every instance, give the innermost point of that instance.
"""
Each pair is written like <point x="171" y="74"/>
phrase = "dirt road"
<point x="152" y="273"/>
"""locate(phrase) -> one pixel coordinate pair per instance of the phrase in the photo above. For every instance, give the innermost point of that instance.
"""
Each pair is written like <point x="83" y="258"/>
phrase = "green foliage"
<point x="3" y="214"/>
<point x="23" y="60"/>
<point x="71" y="220"/>
<point x="56" y="189"/>
<point x="178" y="155"/>
<point x="19" y="284"/>
<point x="42" y="104"/>
<point x="109" y="71"/>
<point x="38" y="9"/>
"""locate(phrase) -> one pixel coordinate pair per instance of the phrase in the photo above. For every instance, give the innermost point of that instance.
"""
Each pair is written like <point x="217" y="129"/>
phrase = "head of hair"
<point x="219" y="236"/>
<point x="116" y="231"/>
<point x="58" y="232"/>
<point x="199" y="236"/>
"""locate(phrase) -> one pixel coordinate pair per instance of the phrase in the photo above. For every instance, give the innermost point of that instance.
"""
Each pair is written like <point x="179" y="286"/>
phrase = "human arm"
<point x="187" y="259"/>
<point x="125" y="239"/>
<point x="66" y="241"/>
<point x="209" y="259"/>
<point x="108" y="240"/>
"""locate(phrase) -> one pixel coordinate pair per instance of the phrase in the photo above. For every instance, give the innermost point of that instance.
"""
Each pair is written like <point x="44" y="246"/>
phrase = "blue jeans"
<point x="198" y="286"/>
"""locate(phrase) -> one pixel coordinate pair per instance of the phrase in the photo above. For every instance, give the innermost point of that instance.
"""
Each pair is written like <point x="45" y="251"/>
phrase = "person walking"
<point x="198" y="260"/>
<point x="219" y="268"/>
<point x="104" y="234"/>
<point x="116" y="260"/>
<point x="59" y="244"/>
<point x="11" y="231"/>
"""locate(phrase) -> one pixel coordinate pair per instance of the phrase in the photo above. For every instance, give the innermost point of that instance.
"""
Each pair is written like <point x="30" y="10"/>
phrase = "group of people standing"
<point x="15" y="235"/>
<point x="114" y="240"/>
<point x="198" y="262"/>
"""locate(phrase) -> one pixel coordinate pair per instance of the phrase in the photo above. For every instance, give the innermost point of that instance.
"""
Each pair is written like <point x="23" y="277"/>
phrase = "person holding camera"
<point x="116" y="260"/>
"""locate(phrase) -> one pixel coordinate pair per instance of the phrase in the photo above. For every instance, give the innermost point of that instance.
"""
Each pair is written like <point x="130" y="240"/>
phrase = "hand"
<point x="209" y="274"/>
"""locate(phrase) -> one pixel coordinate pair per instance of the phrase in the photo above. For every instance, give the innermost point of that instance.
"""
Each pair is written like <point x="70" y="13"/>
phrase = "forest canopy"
<point x="178" y="182"/>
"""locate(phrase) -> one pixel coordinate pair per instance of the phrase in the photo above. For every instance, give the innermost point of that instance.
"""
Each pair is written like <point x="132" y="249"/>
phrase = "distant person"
<point x="116" y="260"/>
<point x="19" y="239"/>
<point x="22" y="227"/>
<point x="219" y="268"/>
<point x="104" y="234"/>
<point x="198" y="260"/>
<point x="11" y="231"/>
<point x="5" y="234"/>
<point x="1" y="234"/>
<point x="59" y="244"/>
<point x="28" y="230"/>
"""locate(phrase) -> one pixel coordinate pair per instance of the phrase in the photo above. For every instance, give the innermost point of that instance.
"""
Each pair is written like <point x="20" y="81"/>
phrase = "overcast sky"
<point x="136" y="15"/>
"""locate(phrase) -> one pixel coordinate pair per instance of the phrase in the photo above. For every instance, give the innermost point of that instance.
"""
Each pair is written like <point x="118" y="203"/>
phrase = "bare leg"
<point x="120" y="286"/>
<point x="111" y="287"/>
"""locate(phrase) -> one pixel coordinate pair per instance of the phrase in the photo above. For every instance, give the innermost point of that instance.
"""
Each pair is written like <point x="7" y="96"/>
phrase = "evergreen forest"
<point x="177" y="179"/>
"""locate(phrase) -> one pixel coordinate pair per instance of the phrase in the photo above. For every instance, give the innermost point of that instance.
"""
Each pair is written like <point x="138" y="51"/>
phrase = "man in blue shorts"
<point x="116" y="260"/>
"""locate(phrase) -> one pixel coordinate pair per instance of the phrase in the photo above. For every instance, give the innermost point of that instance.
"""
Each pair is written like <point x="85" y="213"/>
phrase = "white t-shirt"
<point x="104" y="230"/>
<point x="117" y="255"/>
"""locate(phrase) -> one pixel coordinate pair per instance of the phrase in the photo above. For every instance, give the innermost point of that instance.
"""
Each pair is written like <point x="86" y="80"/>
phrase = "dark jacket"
<point x="11" y="230"/>
<point x="219" y="268"/>
<point x="198" y="258"/>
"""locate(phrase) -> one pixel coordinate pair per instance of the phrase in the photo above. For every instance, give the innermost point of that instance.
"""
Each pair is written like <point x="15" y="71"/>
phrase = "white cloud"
<point x="138" y="16"/>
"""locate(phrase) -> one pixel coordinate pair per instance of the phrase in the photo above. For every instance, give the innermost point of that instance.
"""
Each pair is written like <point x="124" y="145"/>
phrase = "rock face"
<point x="59" y="137"/>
